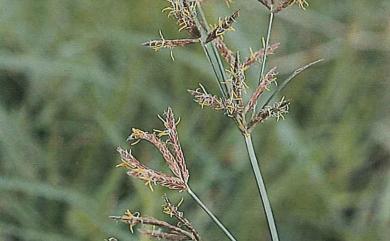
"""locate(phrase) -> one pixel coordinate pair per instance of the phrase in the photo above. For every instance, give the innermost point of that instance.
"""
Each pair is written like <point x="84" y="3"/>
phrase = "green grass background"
<point x="74" y="80"/>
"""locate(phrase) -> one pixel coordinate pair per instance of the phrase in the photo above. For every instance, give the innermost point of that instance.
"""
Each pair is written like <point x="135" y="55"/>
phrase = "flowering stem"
<point x="211" y="215"/>
<point x="262" y="190"/>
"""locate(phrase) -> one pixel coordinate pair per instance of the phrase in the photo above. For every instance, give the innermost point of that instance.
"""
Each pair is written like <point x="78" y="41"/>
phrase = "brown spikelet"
<point x="169" y="43"/>
<point x="277" y="110"/>
<point x="173" y="211"/>
<point x="263" y="85"/>
<point x="205" y="99"/>
<point x="238" y="78"/>
<point x="222" y="27"/>
<point x="170" y="125"/>
<point x="225" y="52"/>
<point x="160" y="145"/>
<point x="259" y="55"/>
<point x="150" y="176"/>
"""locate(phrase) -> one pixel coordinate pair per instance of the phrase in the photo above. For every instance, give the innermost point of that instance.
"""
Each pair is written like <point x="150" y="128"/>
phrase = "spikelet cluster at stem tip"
<point x="170" y="150"/>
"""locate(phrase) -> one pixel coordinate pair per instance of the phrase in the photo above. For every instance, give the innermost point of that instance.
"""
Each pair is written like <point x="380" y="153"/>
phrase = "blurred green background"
<point x="74" y="80"/>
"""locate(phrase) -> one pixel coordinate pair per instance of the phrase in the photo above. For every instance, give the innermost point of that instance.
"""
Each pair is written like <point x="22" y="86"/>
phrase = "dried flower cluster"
<point x="182" y="230"/>
<point x="171" y="151"/>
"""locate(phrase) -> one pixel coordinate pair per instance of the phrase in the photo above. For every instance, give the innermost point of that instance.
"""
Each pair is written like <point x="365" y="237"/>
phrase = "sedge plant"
<point x="235" y="100"/>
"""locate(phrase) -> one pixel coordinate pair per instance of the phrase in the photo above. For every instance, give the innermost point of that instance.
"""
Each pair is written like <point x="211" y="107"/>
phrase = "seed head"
<point x="263" y="85"/>
<point x="222" y="26"/>
<point x="225" y="52"/>
<point x="170" y="150"/>
<point x="259" y="55"/>
<point x="169" y="43"/>
<point x="277" y="110"/>
<point x="148" y="175"/>
<point x="238" y="81"/>
<point x="203" y="98"/>
<point x="173" y="138"/>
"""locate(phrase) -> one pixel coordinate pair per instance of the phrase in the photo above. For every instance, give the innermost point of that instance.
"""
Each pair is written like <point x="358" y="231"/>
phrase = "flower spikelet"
<point x="205" y="99"/>
<point x="277" y="110"/>
<point x="222" y="26"/>
<point x="266" y="81"/>
<point x="169" y="43"/>
<point x="150" y="176"/>
<point x="170" y="150"/>
<point x="160" y="145"/>
<point x="173" y="211"/>
<point x="225" y="52"/>
<point x="183" y="230"/>
<point x="259" y="55"/>
<point x="238" y="81"/>
<point x="170" y="125"/>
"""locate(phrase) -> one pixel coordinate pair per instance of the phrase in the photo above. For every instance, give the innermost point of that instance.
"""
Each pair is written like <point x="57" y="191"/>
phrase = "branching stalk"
<point x="211" y="215"/>
<point x="262" y="190"/>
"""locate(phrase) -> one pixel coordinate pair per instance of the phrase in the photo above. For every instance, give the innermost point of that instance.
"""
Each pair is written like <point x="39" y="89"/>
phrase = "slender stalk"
<point x="271" y="19"/>
<point x="262" y="190"/>
<point x="211" y="51"/>
<point x="264" y="60"/>
<point x="211" y="215"/>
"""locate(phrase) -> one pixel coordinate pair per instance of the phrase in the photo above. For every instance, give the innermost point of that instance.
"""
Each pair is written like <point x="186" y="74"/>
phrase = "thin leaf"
<point x="288" y="80"/>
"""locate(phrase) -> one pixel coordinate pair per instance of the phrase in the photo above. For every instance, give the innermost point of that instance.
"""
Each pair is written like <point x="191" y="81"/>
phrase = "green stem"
<point x="211" y="51"/>
<point x="271" y="18"/>
<point x="264" y="60"/>
<point x="262" y="190"/>
<point x="211" y="215"/>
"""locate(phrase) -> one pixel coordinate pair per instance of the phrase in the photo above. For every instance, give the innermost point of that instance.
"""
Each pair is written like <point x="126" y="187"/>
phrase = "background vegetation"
<point x="74" y="80"/>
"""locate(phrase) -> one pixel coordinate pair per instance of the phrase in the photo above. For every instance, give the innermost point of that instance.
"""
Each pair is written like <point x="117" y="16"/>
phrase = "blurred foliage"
<point x="74" y="80"/>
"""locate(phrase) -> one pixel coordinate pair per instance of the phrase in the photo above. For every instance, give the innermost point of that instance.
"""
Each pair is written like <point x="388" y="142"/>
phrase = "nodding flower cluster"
<point x="170" y="150"/>
<point x="182" y="230"/>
